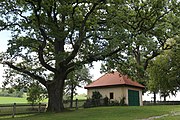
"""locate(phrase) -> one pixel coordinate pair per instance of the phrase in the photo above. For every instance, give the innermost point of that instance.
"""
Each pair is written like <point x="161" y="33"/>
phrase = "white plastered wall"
<point x="119" y="92"/>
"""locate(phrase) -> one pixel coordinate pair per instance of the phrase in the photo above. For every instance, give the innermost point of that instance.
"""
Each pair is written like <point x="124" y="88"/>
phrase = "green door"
<point x="133" y="98"/>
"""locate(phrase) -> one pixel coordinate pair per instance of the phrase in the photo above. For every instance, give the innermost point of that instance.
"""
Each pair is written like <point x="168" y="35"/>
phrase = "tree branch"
<point x="82" y="32"/>
<point x="73" y="25"/>
<point x="100" y="56"/>
<point x="9" y="25"/>
<point x="154" y="54"/>
<point x="45" y="37"/>
<point x="32" y="75"/>
<point x="91" y="58"/>
<point x="42" y="61"/>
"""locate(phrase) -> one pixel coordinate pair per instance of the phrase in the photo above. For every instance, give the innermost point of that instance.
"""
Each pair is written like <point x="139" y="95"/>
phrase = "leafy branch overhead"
<point x="164" y="72"/>
<point x="150" y="27"/>
<point x="51" y="34"/>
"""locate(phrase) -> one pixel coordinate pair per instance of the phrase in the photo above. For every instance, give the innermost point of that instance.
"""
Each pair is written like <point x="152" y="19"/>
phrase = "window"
<point x="111" y="95"/>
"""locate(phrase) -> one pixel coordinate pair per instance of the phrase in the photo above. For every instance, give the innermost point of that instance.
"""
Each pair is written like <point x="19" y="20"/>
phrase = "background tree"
<point x="163" y="72"/>
<point x="77" y="78"/>
<point x="36" y="93"/>
<point x="150" y="25"/>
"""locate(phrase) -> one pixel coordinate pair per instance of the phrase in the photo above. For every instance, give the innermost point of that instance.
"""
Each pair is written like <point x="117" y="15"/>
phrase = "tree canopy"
<point x="78" y="78"/>
<point x="164" y="72"/>
<point x="50" y="38"/>
<point x="150" y="24"/>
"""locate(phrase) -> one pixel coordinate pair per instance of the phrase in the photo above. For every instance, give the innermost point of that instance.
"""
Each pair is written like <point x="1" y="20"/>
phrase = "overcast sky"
<point x="4" y="36"/>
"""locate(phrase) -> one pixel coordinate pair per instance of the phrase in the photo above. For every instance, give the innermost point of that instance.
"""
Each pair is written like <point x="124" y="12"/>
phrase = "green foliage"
<point x="114" y="103"/>
<point x="36" y="93"/>
<point x="106" y="101"/>
<point x="122" y="102"/>
<point x="96" y="95"/>
<point x="95" y="100"/>
<point x="77" y="78"/>
<point x="164" y="72"/>
<point x="10" y="92"/>
<point x="149" y="25"/>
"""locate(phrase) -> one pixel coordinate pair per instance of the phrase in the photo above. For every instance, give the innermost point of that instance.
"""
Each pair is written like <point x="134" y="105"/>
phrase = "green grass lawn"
<point x="10" y="100"/>
<point x="107" y="113"/>
<point x="81" y="97"/>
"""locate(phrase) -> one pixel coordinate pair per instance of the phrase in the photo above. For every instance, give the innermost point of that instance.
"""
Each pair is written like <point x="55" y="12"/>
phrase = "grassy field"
<point x="9" y="100"/>
<point x="108" y="113"/>
<point x="80" y="97"/>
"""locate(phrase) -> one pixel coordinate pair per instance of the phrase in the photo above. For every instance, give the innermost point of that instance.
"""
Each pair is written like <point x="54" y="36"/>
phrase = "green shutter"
<point x="133" y="98"/>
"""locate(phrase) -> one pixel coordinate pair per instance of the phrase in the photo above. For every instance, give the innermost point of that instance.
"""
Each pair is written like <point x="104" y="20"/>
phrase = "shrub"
<point x="88" y="103"/>
<point x="106" y="101"/>
<point x="122" y="102"/>
<point x="96" y="97"/>
<point x="36" y="93"/>
<point x="114" y="103"/>
<point x="94" y="101"/>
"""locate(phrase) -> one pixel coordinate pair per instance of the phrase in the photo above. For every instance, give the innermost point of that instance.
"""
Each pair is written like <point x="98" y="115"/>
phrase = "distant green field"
<point x="9" y="100"/>
<point x="81" y="97"/>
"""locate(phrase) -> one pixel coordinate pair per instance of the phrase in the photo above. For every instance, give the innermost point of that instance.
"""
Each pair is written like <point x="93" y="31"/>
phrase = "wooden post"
<point x="39" y="108"/>
<point x="76" y="104"/>
<point x="14" y="110"/>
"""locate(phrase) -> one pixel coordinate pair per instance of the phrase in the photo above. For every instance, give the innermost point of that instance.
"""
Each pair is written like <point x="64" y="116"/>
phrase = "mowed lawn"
<point x="108" y="113"/>
<point x="11" y="100"/>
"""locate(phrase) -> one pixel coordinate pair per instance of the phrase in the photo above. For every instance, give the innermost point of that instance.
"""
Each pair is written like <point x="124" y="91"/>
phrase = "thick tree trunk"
<point x="55" y="95"/>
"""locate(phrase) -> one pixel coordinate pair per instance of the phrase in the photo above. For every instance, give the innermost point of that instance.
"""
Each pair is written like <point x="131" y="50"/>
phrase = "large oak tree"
<point x="50" y="38"/>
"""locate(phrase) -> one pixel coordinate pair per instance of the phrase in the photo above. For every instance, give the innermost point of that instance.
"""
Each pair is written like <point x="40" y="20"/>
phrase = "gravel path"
<point x="173" y="113"/>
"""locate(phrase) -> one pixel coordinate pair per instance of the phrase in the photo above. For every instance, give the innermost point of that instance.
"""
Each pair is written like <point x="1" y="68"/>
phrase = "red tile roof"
<point x="113" y="79"/>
